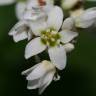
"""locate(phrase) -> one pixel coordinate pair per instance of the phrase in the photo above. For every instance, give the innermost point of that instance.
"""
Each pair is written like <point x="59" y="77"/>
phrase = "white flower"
<point x="6" y="2"/>
<point x="85" y="18"/>
<point x="41" y="75"/>
<point x="21" y="31"/>
<point x="69" y="4"/>
<point x="49" y="37"/>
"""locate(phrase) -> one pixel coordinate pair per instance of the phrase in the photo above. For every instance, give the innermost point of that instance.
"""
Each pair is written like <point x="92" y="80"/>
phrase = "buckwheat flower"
<point x="41" y="75"/>
<point x="6" y="2"/>
<point x="21" y="31"/>
<point x="84" y="18"/>
<point x="37" y="9"/>
<point x="50" y="37"/>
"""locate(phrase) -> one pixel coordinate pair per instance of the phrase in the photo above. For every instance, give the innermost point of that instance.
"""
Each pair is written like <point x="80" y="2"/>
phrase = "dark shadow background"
<point x="78" y="79"/>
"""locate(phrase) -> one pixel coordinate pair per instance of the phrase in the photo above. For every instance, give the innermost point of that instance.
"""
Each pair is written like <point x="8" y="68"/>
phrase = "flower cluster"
<point x="47" y="29"/>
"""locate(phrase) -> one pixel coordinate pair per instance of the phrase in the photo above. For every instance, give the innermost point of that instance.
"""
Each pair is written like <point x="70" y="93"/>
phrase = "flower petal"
<point x="20" y="36"/>
<point x="32" y="3"/>
<point x="34" y="14"/>
<point x="87" y="19"/>
<point x="19" y="31"/>
<point x="33" y="84"/>
<point x="68" y="23"/>
<point x="6" y="2"/>
<point x="69" y="47"/>
<point x="58" y="57"/>
<point x="37" y="73"/>
<point x="21" y="25"/>
<point x="45" y="81"/>
<point x="91" y="9"/>
<point x="20" y="9"/>
<point x="49" y="5"/>
<point x="55" y="18"/>
<point x="67" y="36"/>
<point x="68" y="4"/>
<point x="49" y="2"/>
<point x="38" y="25"/>
<point x="28" y="71"/>
<point x="34" y="47"/>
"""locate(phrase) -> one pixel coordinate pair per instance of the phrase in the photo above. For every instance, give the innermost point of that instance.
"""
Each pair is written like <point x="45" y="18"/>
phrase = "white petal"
<point x="20" y="36"/>
<point x="34" y="47"/>
<point x="91" y="9"/>
<point x="45" y="81"/>
<point x="19" y="31"/>
<point x="58" y="57"/>
<point x="38" y="25"/>
<point x="69" y="47"/>
<point x="55" y="18"/>
<point x="68" y="23"/>
<point x="68" y="4"/>
<point x="6" y="2"/>
<point x="32" y="3"/>
<point x="49" y="5"/>
<point x="21" y="25"/>
<point x="86" y="20"/>
<point x="28" y="71"/>
<point x="67" y="36"/>
<point x="85" y="23"/>
<point x="20" y="9"/>
<point x="37" y="73"/>
<point x="33" y="84"/>
<point x="34" y="14"/>
<point x="49" y="2"/>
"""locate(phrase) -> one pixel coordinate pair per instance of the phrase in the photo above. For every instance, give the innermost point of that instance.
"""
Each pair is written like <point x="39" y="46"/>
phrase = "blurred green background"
<point x="78" y="79"/>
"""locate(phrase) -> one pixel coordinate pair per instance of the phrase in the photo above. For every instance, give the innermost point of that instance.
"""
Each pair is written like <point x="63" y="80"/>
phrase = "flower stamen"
<point x="50" y="37"/>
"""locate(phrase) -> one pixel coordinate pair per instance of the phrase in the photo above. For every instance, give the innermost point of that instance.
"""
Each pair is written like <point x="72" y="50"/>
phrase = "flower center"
<point x="50" y="37"/>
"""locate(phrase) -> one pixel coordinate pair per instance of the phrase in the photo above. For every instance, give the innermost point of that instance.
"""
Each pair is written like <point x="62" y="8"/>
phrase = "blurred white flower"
<point x="84" y="18"/>
<point x="41" y="75"/>
<point x="6" y="2"/>
<point x="69" y="4"/>
<point x="29" y="6"/>
<point x="49" y="38"/>
<point x="22" y="29"/>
